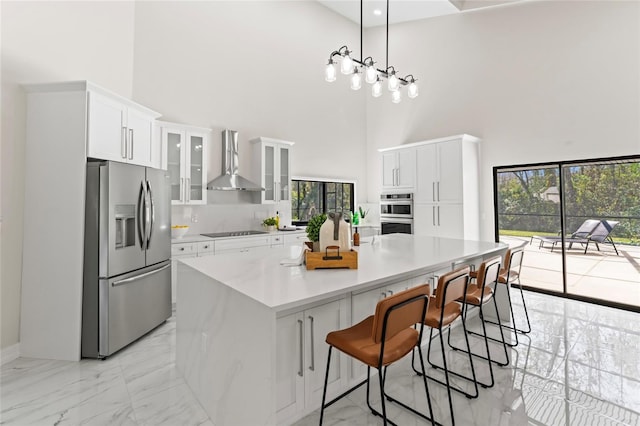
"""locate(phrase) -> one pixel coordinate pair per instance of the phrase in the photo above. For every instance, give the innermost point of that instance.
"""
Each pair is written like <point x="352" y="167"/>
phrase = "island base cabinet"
<point x="301" y="354"/>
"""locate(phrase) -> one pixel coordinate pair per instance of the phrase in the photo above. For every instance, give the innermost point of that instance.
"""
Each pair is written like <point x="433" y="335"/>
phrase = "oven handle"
<point x="396" y="202"/>
<point x="396" y="220"/>
<point x="392" y="217"/>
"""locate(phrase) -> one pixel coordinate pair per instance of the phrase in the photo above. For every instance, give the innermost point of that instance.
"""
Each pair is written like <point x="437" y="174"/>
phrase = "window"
<point x="312" y="197"/>
<point x="594" y="206"/>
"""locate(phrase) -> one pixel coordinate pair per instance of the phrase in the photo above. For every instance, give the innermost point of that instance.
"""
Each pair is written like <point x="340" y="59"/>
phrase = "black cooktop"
<point x="233" y="234"/>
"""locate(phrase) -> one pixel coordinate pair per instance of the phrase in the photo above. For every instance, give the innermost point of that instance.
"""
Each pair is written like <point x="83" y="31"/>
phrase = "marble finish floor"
<point x="579" y="366"/>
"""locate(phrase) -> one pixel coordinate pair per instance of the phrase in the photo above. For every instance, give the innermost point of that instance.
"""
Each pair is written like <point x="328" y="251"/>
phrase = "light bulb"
<point x="412" y="91"/>
<point x="394" y="83"/>
<point x="356" y="80"/>
<point x="395" y="97"/>
<point x="346" y="66"/>
<point x="371" y="74"/>
<point x="376" y="89"/>
<point x="330" y="72"/>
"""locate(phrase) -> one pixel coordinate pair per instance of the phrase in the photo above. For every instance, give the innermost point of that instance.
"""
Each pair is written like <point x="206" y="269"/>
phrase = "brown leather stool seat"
<point x="357" y="342"/>
<point x="437" y="318"/>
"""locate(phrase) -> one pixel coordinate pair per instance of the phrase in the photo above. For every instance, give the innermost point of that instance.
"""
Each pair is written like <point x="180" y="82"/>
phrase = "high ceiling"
<point x="404" y="10"/>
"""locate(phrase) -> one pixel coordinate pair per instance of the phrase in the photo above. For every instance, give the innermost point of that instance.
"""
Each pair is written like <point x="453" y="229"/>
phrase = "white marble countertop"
<point x="260" y="276"/>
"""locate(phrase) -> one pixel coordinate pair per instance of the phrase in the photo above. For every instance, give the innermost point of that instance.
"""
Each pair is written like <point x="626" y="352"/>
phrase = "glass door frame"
<point x="559" y="165"/>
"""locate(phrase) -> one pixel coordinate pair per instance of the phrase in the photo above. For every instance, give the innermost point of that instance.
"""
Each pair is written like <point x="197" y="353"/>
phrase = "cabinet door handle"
<point x="181" y="189"/>
<point x="313" y="363"/>
<point x="181" y="249"/>
<point x="438" y="190"/>
<point x="123" y="143"/>
<point x="390" y="292"/>
<point x="300" y="335"/>
<point x="188" y="190"/>
<point x="130" y="144"/>
<point x="438" y="215"/>
<point x="433" y="215"/>
<point x="383" y="294"/>
<point x="398" y="172"/>
<point x="433" y="191"/>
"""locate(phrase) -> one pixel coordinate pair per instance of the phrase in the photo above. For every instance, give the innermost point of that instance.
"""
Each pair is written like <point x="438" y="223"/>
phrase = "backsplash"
<point x="225" y="217"/>
<point x="240" y="217"/>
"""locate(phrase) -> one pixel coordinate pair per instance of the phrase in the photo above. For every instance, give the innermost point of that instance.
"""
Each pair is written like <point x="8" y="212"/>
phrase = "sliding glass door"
<point x="579" y="222"/>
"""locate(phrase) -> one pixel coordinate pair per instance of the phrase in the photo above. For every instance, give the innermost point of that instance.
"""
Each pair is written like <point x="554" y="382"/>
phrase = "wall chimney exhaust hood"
<point x="230" y="180"/>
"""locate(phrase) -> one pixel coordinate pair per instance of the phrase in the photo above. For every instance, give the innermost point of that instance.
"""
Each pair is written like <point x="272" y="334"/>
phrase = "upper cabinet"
<point x="398" y="169"/>
<point x="186" y="157"/>
<point x="272" y="163"/>
<point x="448" y="170"/>
<point x="120" y="130"/>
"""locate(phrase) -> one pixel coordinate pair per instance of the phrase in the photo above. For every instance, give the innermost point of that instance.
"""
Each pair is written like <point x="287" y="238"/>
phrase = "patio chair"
<point x="579" y="236"/>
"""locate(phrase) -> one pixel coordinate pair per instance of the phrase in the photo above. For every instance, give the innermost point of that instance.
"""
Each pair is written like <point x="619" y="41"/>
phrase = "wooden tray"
<point x="331" y="258"/>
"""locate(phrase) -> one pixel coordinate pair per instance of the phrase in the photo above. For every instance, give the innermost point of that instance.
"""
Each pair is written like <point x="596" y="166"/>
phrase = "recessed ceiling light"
<point x="377" y="12"/>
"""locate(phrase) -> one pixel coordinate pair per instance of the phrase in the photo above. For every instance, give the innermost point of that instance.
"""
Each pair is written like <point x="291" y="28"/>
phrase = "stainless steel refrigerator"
<point x="127" y="250"/>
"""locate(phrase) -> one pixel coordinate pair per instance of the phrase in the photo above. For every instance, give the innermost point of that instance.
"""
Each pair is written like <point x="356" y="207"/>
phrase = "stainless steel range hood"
<point x="231" y="180"/>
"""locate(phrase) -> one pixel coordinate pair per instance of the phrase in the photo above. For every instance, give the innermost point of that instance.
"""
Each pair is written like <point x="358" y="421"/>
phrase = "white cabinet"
<point x="121" y="131"/>
<point x="441" y="172"/>
<point x="301" y="354"/>
<point x="446" y="201"/>
<point x="398" y="168"/>
<point x="441" y="220"/>
<point x="276" y="240"/>
<point x="295" y="239"/>
<point x="242" y="245"/>
<point x="183" y="251"/>
<point x="272" y="163"/>
<point x="186" y="157"/>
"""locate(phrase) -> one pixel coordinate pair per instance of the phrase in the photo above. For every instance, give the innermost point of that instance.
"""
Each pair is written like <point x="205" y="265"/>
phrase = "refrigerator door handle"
<point x="137" y="277"/>
<point x="152" y="214"/>
<point x="142" y="217"/>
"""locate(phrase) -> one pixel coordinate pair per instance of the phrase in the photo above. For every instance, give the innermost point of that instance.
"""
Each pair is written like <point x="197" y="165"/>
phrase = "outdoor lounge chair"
<point x="581" y="233"/>
<point x="599" y="234"/>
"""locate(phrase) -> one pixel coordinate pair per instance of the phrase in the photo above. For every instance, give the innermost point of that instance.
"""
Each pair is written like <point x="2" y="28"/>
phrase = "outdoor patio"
<point x="598" y="274"/>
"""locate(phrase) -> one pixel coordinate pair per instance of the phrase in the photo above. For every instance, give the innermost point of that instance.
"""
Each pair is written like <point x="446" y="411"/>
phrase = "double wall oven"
<point x="396" y="213"/>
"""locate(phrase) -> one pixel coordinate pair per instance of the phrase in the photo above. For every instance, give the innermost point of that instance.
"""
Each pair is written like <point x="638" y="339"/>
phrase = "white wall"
<point x="256" y="67"/>
<point x="43" y="42"/>
<point x="537" y="81"/>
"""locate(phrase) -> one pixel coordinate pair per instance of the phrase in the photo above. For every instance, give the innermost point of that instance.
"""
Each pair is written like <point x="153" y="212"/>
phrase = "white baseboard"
<point x="9" y="354"/>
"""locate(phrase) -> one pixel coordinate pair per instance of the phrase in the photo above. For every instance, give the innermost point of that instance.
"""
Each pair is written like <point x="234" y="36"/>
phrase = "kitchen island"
<point x="250" y="332"/>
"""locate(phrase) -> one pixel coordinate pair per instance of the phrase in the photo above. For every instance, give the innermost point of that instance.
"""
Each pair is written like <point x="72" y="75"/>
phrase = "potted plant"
<point x="270" y="223"/>
<point x="313" y="229"/>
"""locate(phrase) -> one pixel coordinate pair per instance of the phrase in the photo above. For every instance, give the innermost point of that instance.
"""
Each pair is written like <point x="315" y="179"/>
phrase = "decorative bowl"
<point x="178" y="231"/>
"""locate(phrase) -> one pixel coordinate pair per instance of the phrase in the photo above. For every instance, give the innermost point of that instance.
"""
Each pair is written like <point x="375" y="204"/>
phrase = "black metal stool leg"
<point x="324" y="390"/>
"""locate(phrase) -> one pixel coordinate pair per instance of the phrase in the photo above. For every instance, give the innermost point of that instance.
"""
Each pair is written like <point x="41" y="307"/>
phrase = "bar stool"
<point x="510" y="276"/>
<point x="443" y="310"/>
<point x="382" y="339"/>
<point x="479" y="294"/>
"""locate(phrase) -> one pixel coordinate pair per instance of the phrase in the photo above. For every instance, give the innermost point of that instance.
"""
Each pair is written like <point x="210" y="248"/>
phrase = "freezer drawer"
<point x="132" y="305"/>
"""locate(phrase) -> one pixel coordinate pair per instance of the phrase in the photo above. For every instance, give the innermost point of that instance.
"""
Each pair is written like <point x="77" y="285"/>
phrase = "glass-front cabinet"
<point x="274" y="173"/>
<point x="186" y="148"/>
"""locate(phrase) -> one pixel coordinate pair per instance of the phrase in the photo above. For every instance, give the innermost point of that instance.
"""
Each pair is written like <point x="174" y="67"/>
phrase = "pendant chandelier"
<point x="372" y="75"/>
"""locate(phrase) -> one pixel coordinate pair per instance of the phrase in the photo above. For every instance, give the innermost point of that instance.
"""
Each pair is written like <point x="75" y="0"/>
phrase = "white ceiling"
<point x="404" y="10"/>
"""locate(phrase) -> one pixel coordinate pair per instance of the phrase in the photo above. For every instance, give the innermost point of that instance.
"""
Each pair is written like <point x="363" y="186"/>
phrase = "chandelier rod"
<point x="387" y="63"/>
<point x="361" y="30"/>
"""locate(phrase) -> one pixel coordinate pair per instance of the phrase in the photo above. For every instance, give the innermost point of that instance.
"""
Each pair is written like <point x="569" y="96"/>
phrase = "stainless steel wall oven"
<point x="396" y="213"/>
